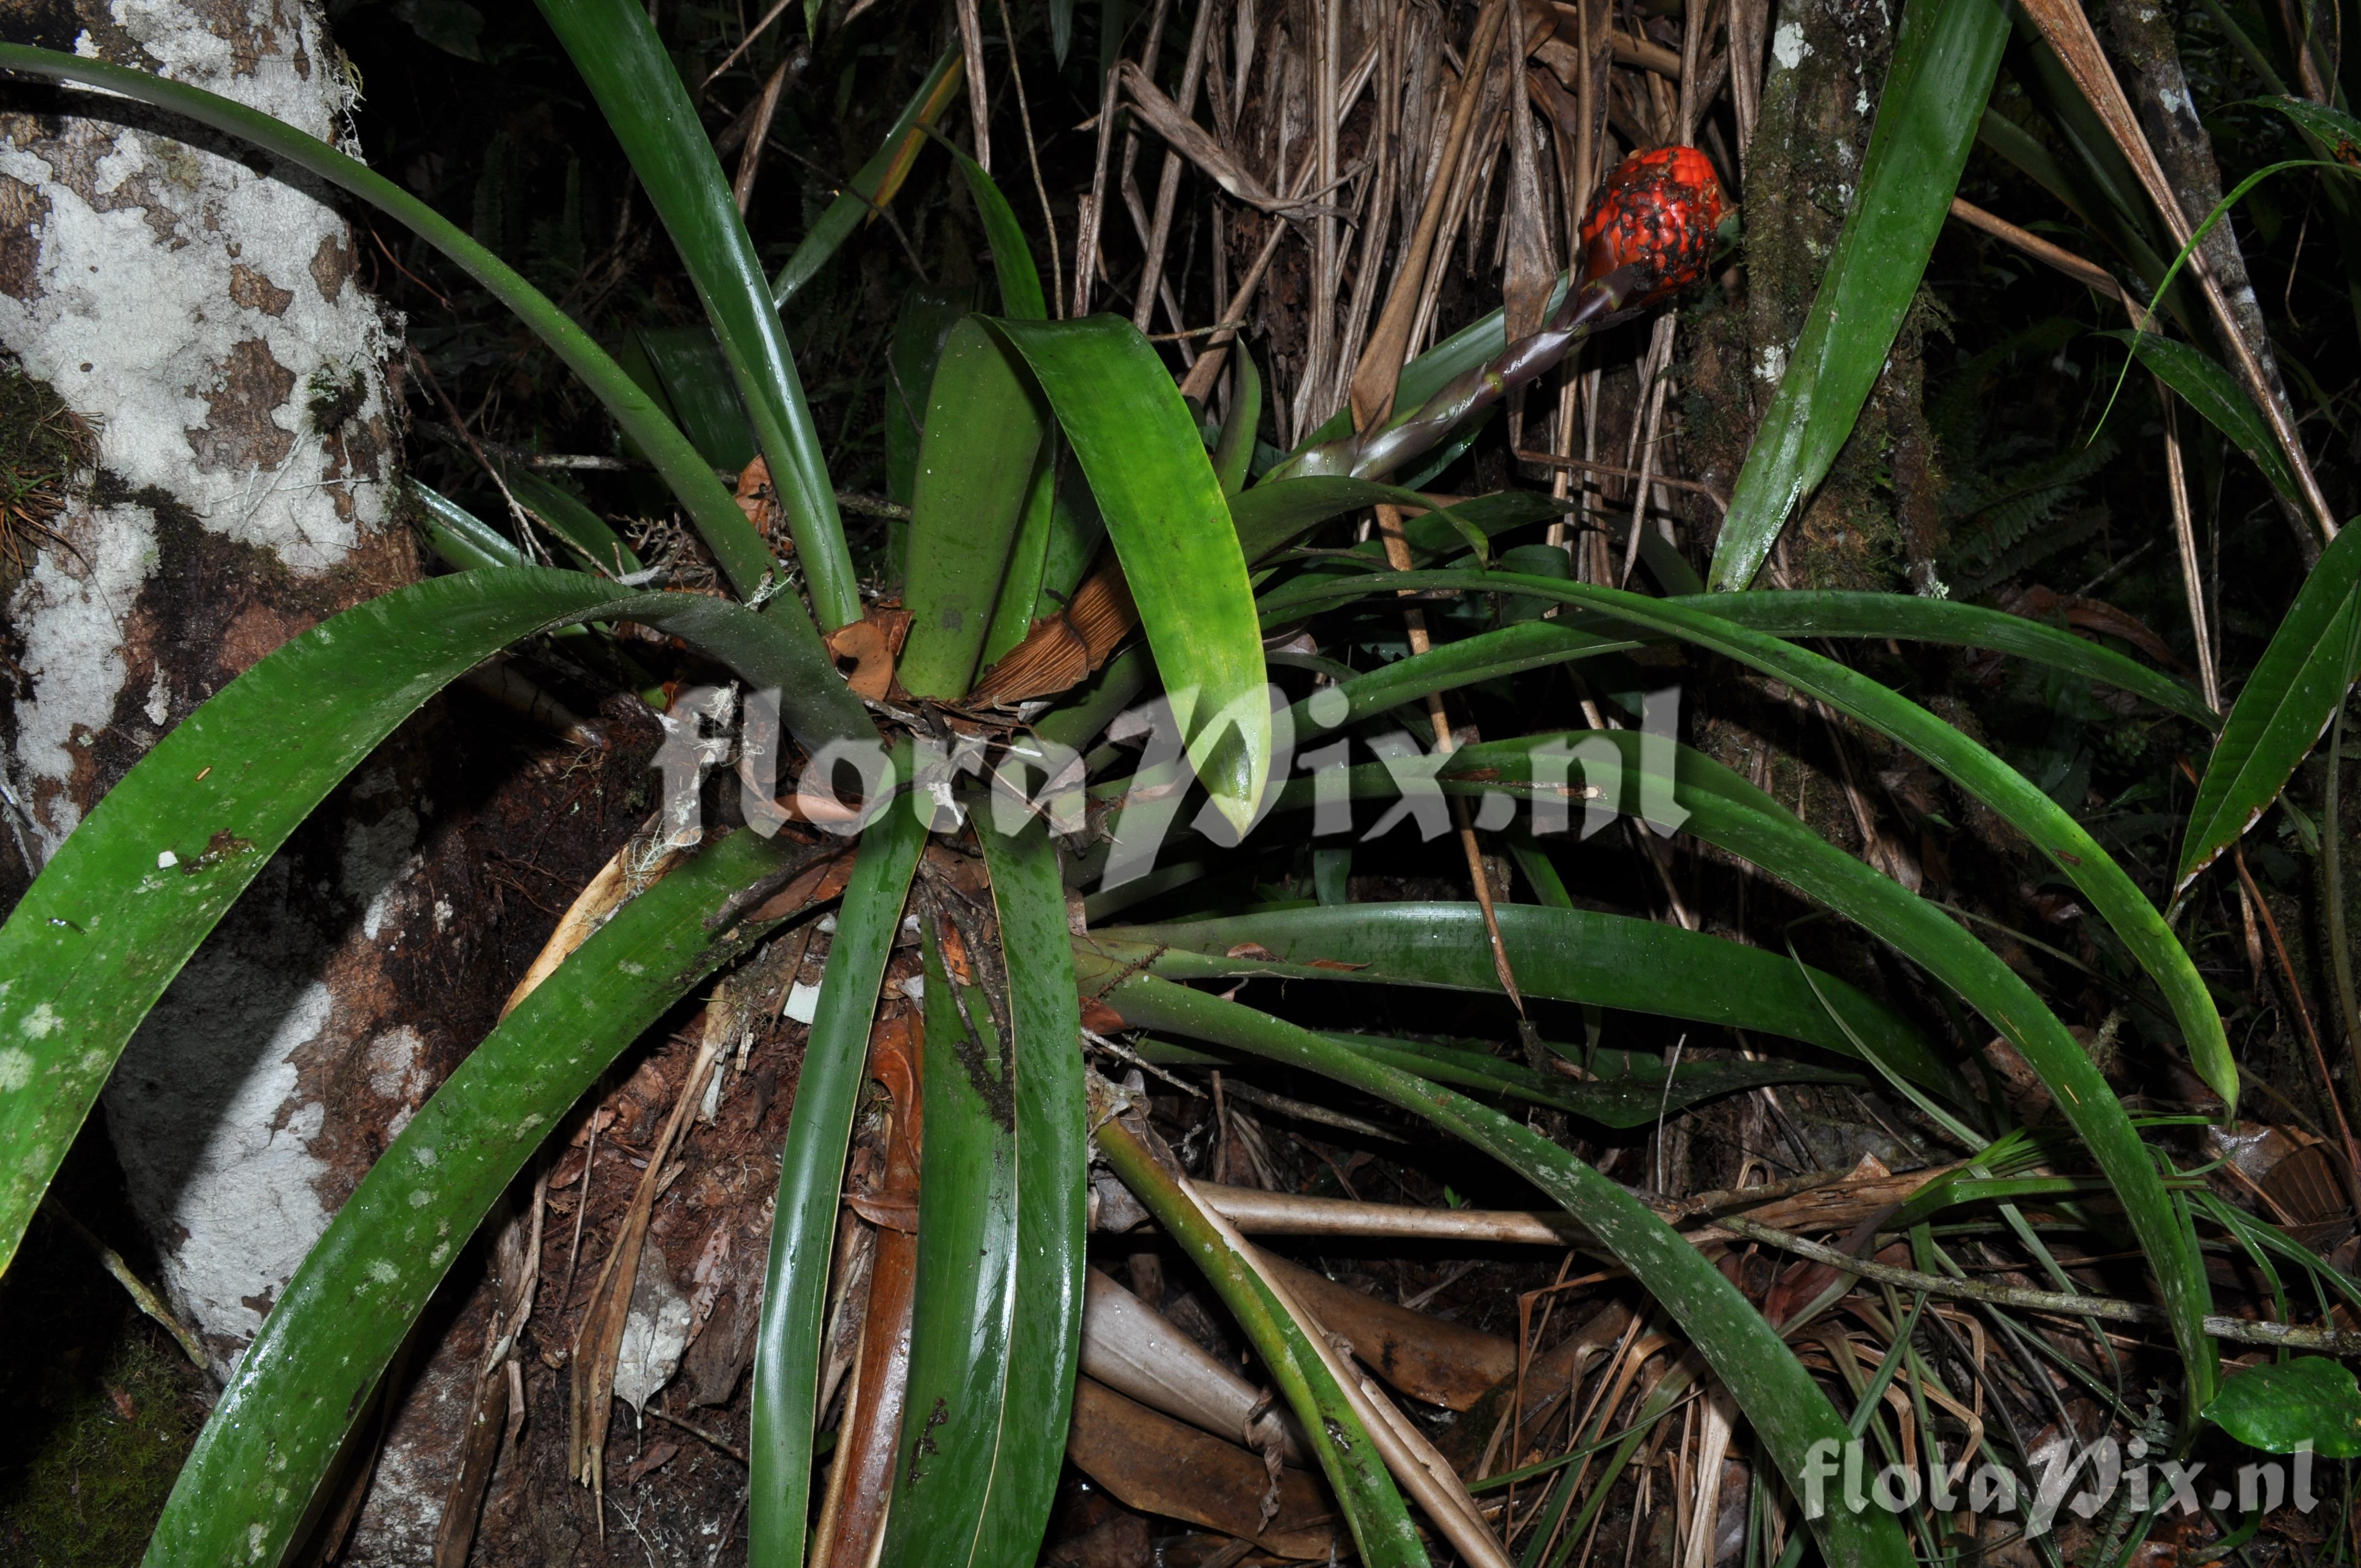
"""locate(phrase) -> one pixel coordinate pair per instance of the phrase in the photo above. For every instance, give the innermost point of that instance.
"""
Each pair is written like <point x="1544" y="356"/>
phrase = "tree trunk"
<point x="198" y="307"/>
<point x="202" y="315"/>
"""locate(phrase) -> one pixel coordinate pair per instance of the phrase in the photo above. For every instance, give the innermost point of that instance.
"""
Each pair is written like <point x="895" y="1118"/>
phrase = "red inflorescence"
<point x="1656" y="214"/>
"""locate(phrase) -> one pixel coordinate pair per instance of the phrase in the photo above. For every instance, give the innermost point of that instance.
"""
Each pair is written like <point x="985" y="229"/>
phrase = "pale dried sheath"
<point x="1168" y="182"/>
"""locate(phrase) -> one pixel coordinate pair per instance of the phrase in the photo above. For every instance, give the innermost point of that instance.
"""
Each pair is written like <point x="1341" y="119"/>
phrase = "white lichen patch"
<point x="376" y="862"/>
<point x="42" y="1022"/>
<point x="393" y="1066"/>
<point x="215" y="1136"/>
<point x="153" y="339"/>
<point x="1787" y="46"/>
<point x="188" y="306"/>
<point x="15" y="1070"/>
<point x="70" y="612"/>
<point x="1770" y="364"/>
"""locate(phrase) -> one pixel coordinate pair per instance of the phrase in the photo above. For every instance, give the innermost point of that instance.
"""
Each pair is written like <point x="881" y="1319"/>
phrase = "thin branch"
<point x="2244" y="1331"/>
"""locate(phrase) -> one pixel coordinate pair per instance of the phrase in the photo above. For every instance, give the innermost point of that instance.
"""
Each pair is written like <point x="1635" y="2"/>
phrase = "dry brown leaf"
<point x="1191" y="141"/>
<point x="598" y="1339"/>
<point x="1063" y="651"/>
<point x="759" y="500"/>
<point x="1423" y="1355"/>
<point x="1052" y="659"/>
<point x="1380" y="371"/>
<point x="1528" y="270"/>
<point x="872" y="644"/>
<point x="852" y="1511"/>
<point x="821" y="883"/>
<point x="1158" y="1465"/>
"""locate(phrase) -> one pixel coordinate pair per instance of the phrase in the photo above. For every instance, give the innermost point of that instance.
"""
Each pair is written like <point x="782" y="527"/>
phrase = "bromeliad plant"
<point x="1066" y="494"/>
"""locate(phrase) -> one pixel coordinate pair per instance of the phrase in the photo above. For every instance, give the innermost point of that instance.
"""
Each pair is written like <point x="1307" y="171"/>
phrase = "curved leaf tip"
<point x="1171" y="528"/>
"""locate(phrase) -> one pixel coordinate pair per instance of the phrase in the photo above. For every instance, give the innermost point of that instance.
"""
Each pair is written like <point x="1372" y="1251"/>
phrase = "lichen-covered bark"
<point x="201" y="315"/>
<point x="1803" y="168"/>
<point x="2141" y="34"/>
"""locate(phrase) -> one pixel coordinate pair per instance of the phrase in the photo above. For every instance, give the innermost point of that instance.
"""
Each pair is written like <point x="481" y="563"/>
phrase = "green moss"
<point x="92" y="1491"/>
<point x="102" y="1406"/>
<point x="333" y="395"/>
<point x="44" y="446"/>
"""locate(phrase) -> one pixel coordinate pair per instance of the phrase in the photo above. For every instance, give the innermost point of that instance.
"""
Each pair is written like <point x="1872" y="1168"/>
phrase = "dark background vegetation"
<point x="2005" y="448"/>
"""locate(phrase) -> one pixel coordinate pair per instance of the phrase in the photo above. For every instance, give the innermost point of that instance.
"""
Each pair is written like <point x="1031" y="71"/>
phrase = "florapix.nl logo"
<point x="1331" y="755"/>
<point x="2082" y="1479"/>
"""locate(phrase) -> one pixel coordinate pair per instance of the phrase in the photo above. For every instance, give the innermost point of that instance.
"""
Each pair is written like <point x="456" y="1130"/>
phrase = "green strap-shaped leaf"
<point x="293" y="1398"/>
<point x="1365" y="1492"/>
<point x="1276" y="511"/>
<point x="1728" y="812"/>
<point x="458" y="535"/>
<point x="876" y="181"/>
<point x="1841" y="614"/>
<point x="1943" y="68"/>
<point x="921" y="327"/>
<point x="1631" y="1099"/>
<point x="2204" y="386"/>
<point x="1019" y="600"/>
<point x="978" y="460"/>
<point x="1785" y="1407"/>
<point x="1803" y="614"/>
<point x="1234" y="452"/>
<point x="601" y="550"/>
<point x="996" y="1333"/>
<point x="1976" y="770"/>
<point x="1053" y="1160"/>
<point x="1561" y="955"/>
<point x="2287" y="703"/>
<point x="687" y="365"/>
<point x="631" y="73"/>
<point x="1164" y="509"/>
<point x="1487" y="655"/>
<point x="736" y="546"/>
<point x="811" y="1175"/>
<point x="2309" y="1401"/>
<point x="157" y="863"/>
<point x="2338" y="133"/>
<point x="1011" y="260"/>
<point x="1076" y="532"/>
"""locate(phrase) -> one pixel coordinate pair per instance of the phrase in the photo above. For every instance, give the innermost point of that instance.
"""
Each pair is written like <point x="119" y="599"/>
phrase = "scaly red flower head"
<point x="1656" y="214"/>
